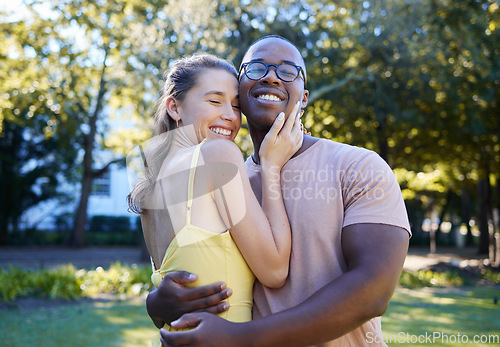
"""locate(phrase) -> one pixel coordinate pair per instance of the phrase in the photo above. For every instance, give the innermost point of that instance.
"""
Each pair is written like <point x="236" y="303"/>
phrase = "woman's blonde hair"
<point x="178" y="81"/>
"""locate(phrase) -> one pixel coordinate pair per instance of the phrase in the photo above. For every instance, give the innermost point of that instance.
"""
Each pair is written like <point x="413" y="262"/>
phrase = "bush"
<point x="111" y="238"/>
<point x="59" y="283"/>
<point x="119" y="279"/>
<point x="68" y="283"/>
<point x="112" y="230"/>
<point x="109" y="223"/>
<point x="490" y="276"/>
<point x="423" y="278"/>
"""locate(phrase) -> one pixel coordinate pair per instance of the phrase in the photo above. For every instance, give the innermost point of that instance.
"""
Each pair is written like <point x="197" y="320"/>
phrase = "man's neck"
<point x="257" y="139"/>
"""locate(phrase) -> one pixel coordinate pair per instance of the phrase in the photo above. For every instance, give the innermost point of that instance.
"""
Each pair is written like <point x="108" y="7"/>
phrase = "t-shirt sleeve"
<point x="371" y="194"/>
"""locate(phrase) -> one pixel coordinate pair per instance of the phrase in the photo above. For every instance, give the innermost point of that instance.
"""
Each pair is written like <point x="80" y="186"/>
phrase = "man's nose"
<point x="271" y="77"/>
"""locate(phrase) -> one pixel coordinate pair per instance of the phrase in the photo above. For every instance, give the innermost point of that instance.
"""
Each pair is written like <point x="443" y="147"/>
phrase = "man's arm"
<point x="172" y="298"/>
<point x="374" y="254"/>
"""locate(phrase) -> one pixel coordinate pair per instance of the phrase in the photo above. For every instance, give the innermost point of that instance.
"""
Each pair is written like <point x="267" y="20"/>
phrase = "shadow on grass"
<point x="109" y="323"/>
<point x="452" y="316"/>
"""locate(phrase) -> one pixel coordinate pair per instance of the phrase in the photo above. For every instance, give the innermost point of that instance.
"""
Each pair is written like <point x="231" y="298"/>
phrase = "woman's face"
<point x="212" y="106"/>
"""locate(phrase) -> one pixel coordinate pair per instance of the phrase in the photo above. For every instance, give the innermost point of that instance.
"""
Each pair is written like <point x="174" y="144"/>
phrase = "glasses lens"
<point x="255" y="70"/>
<point x="288" y="72"/>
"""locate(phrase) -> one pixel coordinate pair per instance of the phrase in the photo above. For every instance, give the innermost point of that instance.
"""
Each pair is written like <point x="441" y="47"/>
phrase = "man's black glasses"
<point x="255" y="70"/>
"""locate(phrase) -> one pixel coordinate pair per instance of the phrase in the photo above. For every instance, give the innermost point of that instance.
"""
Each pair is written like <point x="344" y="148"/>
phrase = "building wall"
<point x="110" y="203"/>
<point x="114" y="203"/>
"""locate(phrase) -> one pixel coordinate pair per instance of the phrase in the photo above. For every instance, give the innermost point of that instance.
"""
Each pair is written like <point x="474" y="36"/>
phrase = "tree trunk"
<point x="483" y="200"/>
<point x="4" y="206"/>
<point x="449" y="197"/>
<point x="466" y="213"/>
<point x="496" y="220"/>
<point x="77" y="237"/>
<point x="4" y="231"/>
<point x="380" y="116"/>
<point x="10" y="182"/>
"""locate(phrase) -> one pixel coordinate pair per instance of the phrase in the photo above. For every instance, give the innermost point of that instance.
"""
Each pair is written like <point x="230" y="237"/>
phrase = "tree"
<point x="36" y="147"/>
<point x="94" y="59"/>
<point x="415" y="81"/>
<point x="108" y="74"/>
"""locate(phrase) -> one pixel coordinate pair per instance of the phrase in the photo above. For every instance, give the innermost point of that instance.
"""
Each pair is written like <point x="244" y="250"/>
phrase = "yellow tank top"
<point x="212" y="256"/>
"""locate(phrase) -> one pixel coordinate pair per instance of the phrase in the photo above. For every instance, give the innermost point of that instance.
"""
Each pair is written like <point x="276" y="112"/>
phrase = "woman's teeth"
<point x="269" y="97"/>
<point x="221" y="131"/>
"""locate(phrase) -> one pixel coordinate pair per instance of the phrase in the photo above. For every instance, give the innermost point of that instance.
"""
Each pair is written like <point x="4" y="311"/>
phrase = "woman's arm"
<point x="274" y="152"/>
<point x="262" y="234"/>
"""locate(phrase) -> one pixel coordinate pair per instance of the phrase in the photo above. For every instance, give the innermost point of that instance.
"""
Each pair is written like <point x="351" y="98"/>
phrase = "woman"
<point x="196" y="201"/>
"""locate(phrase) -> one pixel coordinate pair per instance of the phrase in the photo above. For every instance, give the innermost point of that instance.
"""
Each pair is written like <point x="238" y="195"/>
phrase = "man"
<point x="350" y="233"/>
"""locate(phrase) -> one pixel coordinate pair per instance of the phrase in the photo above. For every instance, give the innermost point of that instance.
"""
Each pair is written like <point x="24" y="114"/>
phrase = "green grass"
<point x="466" y="311"/>
<point x="426" y="304"/>
<point x="113" y="323"/>
<point x="413" y="312"/>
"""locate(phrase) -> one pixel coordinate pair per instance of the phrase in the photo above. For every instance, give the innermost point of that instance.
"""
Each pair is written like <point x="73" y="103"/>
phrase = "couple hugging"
<point x="236" y="262"/>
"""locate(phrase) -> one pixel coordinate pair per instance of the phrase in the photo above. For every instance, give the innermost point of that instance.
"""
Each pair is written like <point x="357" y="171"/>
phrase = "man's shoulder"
<point x="330" y="150"/>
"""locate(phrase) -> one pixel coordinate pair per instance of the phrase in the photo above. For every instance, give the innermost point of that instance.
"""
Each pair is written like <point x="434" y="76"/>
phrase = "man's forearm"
<point x="336" y="309"/>
<point x="374" y="255"/>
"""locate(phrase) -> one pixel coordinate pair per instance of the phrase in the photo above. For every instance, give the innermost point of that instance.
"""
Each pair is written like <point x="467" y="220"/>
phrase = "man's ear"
<point x="305" y="99"/>
<point x="172" y="106"/>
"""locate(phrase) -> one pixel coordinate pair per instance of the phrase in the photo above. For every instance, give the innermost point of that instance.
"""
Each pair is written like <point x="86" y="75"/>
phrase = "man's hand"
<point x="172" y="298"/>
<point x="210" y="330"/>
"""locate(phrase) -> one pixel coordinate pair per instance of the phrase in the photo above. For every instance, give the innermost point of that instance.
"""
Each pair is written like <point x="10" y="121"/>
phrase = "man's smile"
<point x="269" y="95"/>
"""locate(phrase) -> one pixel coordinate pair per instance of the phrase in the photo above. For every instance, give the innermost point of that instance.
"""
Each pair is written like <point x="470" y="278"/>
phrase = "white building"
<point x="108" y="198"/>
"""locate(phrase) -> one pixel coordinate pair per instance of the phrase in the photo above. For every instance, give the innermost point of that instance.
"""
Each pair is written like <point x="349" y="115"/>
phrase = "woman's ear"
<point x="172" y="106"/>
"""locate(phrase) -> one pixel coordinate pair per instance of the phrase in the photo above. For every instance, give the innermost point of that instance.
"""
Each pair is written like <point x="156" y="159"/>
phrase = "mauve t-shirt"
<point x="325" y="188"/>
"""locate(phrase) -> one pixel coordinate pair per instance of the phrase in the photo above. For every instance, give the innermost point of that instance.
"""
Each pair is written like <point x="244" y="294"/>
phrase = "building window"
<point x="101" y="185"/>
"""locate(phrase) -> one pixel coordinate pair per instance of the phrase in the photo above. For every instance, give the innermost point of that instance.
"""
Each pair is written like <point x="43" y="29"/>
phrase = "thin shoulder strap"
<point x="192" y="173"/>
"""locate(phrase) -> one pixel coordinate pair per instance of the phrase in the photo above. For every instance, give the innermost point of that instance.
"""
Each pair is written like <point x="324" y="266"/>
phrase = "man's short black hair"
<point x="272" y="37"/>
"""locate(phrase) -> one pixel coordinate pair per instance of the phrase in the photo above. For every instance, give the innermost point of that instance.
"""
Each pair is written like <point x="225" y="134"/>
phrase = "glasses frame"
<point x="276" y="66"/>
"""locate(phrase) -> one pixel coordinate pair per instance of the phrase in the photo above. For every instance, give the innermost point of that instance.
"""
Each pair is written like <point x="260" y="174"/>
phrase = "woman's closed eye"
<point x="215" y="102"/>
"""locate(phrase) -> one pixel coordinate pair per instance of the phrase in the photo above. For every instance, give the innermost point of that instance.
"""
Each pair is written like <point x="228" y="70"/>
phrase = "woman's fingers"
<point x="283" y="139"/>
<point x="277" y="126"/>
<point x="290" y="121"/>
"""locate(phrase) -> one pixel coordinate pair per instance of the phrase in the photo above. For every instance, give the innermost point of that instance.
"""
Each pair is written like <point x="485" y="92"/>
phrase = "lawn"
<point x="109" y="323"/>
<point x="467" y="311"/>
<point x="443" y="317"/>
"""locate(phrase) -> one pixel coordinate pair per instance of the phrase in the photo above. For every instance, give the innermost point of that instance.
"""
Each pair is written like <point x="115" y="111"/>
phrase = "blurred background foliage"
<point x="416" y="81"/>
<point x="66" y="282"/>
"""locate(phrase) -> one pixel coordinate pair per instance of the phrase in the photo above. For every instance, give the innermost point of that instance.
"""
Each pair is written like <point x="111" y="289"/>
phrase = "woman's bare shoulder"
<point x="220" y="150"/>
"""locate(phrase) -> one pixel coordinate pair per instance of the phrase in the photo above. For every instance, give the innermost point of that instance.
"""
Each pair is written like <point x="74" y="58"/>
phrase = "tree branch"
<point x="318" y="93"/>
<point x="105" y="168"/>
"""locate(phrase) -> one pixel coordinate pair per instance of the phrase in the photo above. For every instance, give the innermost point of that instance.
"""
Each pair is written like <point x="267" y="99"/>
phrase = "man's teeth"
<point x="221" y="131"/>
<point x="269" y="97"/>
